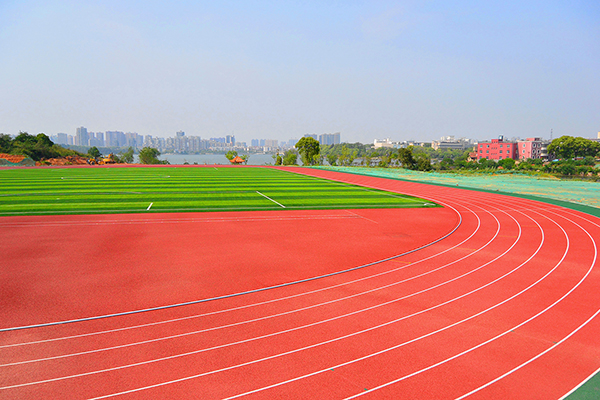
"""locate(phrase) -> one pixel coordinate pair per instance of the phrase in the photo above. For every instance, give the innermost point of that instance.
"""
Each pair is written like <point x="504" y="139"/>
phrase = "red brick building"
<point x="497" y="150"/>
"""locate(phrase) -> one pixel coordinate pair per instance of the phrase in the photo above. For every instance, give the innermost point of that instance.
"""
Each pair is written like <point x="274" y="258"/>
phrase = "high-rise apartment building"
<point x="82" y="137"/>
<point x="329" y="138"/>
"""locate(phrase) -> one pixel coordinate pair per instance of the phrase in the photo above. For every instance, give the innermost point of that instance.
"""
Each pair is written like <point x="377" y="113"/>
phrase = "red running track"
<point x="494" y="297"/>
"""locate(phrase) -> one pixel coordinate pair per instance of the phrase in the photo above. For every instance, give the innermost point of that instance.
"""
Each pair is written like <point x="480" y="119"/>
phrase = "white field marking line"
<point x="267" y="197"/>
<point x="149" y="206"/>
<point x="495" y="337"/>
<point x="288" y="312"/>
<point x="560" y="341"/>
<point x="431" y="333"/>
<point x="273" y="334"/>
<point x="297" y="350"/>
<point x="263" y="302"/>
<point x="242" y="293"/>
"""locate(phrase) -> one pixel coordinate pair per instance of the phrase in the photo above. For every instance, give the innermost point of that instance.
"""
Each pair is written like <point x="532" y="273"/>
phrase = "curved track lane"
<point x="504" y="307"/>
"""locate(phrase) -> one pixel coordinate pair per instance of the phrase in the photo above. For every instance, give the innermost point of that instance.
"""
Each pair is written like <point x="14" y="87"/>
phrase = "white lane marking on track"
<point x="149" y="206"/>
<point x="582" y="382"/>
<point x="497" y="336"/>
<point x="557" y="343"/>
<point x="270" y="199"/>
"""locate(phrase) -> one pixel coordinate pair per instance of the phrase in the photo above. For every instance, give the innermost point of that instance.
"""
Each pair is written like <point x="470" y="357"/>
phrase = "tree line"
<point x="38" y="147"/>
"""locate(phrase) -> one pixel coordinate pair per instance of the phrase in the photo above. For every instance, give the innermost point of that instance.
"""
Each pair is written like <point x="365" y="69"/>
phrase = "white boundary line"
<point x="270" y="199"/>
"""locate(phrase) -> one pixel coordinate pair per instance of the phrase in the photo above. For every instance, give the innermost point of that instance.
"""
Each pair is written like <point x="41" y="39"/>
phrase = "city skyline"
<point x="408" y="71"/>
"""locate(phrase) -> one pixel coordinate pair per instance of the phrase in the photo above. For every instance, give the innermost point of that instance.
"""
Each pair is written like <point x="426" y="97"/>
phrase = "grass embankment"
<point x="48" y="191"/>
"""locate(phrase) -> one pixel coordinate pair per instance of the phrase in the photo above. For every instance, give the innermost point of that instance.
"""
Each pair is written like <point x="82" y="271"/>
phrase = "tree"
<point x="245" y="157"/>
<point x="571" y="147"/>
<point x="278" y="160"/>
<point x="331" y="158"/>
<point x="231" y="154"/>
<point x="309" y="150"/>
<point x="5" y="143"/>
<point x="405" y="156"/>
<point x="93" y="152"/>
<point x="423" y="162"/>
<point x="149" y="155"/>
<point x="290" y="157"/>
<point x="126" y="157"/>
<point x="507" y="163"/>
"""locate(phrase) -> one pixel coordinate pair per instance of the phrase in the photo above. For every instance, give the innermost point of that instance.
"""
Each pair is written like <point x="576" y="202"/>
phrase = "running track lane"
<point x="503" y="308"/>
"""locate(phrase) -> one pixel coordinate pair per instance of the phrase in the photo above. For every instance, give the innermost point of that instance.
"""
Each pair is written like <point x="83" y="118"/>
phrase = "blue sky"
<point x="408" y="70"/>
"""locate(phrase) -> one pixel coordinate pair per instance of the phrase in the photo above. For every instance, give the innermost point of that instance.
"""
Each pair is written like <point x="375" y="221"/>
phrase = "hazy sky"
<point x="280" y="69"/>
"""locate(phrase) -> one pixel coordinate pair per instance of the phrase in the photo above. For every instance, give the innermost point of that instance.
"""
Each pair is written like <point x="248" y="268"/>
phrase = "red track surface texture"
<point x="504" y="306"/>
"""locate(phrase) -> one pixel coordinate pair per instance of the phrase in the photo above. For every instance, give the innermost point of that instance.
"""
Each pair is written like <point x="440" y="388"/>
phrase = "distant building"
<point x="534" y="148"/>
<point x="387" y="142"/>
<point x="114" y="139"/>
<point x="271" y="143"/>
<point x="314" y="136"/>
<point x="448" y="142"/>
<point x="62" y="138"/>
<point x="81" y="137"/>
<point x="497" y="150"/>
<point x="329" y="138"/>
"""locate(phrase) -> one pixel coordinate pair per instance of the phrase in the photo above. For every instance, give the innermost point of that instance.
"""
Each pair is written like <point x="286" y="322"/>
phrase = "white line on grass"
<point x="270" y="199"/>
<point x="149" y="206"/>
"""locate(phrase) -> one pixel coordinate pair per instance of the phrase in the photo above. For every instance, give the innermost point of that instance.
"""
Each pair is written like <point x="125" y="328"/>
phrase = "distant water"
<point x="201" y="159"/>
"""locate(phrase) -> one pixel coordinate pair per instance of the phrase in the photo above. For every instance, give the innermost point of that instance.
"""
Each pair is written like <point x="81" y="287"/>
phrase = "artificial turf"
<point x="46" y="191"/>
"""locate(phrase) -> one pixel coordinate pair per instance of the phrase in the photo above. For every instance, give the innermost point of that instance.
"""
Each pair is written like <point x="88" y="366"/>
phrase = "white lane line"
<point x="585" y="380"/>
<point x="149" y="206"/>
<point x="560" y="341"/>
<point x="507" y="331"/>
<point x="270" y="199"/>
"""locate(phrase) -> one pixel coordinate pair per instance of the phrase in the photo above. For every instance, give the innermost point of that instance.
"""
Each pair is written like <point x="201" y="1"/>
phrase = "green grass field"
<point x="45" y="191"/>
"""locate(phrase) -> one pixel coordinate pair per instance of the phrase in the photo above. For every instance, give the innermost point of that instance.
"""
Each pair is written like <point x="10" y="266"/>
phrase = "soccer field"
<point x="46" y="191"/>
